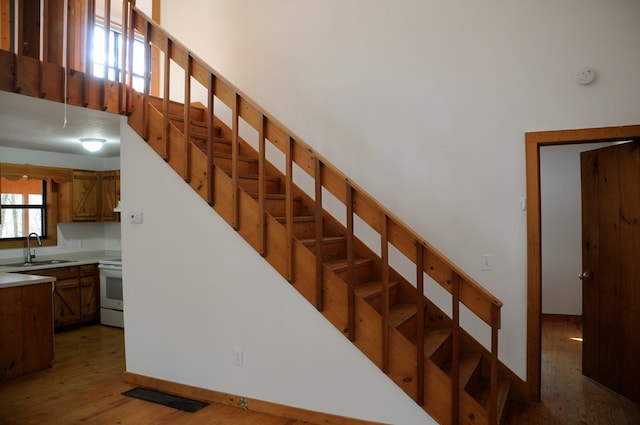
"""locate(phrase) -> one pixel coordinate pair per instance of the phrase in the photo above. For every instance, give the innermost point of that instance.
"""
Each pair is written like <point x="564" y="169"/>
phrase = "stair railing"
<point x="392" y="231"/>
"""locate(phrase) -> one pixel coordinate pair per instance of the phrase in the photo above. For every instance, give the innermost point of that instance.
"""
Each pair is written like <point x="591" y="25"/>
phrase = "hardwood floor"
<point x="567" y="396"/>
<point x="85" y="385"/>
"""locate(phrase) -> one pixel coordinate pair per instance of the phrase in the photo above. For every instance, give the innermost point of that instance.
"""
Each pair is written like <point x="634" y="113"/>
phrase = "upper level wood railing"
<point x="199" y="79"/>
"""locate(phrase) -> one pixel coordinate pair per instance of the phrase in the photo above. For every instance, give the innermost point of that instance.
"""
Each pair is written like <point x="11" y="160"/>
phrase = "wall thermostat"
<point x="135" y="217"/>
<point x="585" y="75"/>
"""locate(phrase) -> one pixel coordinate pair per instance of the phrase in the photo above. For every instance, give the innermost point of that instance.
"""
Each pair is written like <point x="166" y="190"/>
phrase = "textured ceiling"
<point x="30" y="123"/>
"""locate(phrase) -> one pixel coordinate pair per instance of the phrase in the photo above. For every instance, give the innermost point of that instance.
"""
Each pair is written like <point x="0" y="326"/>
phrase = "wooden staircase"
<point x="277" y="193"/>
<point x="342" y="267"/>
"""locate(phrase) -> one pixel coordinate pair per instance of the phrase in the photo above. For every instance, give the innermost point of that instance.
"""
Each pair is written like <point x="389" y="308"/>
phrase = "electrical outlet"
<point x="237" y="356"/>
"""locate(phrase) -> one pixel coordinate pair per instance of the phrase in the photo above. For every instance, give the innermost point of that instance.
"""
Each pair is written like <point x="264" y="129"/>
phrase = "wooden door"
<point x="611" y="267"/>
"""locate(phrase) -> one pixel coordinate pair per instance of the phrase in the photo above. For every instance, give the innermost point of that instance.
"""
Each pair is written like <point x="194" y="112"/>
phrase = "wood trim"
<point x="233" y="400"/>
<point x="533" y="142"/>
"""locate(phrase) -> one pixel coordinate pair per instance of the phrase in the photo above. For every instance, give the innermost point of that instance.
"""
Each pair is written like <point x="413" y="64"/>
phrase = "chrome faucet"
<point x="29" y="256"/>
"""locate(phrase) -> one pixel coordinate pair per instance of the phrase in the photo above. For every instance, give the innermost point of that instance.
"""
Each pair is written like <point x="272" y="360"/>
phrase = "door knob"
<point x="583" y="275"/>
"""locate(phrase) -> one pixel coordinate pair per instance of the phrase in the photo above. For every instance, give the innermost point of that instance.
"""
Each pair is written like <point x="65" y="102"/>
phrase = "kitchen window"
<point x="23" y="205"/>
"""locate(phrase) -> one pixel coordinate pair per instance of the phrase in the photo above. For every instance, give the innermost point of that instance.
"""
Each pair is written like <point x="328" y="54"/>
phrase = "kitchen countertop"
<point x="10" y="280"/>
<point x="70" y="260"/>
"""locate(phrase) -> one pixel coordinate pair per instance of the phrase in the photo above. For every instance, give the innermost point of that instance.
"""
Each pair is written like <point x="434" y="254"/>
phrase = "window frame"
<point x="54" y="177"/>
<point x="42" y="207"/>
<point x="116" y="67"/>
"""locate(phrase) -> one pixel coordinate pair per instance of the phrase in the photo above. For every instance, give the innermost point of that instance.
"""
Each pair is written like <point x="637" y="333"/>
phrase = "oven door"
<point x="111" y="287"/>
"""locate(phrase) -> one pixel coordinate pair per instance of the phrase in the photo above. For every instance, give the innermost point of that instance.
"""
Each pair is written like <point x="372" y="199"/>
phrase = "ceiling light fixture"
<point x="92" y="144"/>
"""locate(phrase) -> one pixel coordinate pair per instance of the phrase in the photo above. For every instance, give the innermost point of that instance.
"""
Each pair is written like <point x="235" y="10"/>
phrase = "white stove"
<point x="111" y="302"/>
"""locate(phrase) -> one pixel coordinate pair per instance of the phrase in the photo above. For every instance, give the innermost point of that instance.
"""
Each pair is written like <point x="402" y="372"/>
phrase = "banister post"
<point x="384" y="248"/>
<point x="289" y="207"/>
<point x="319" y="233"/>
<point x="493" y="391"/>
<point x="262" y="192"/>
<point x="211" y="168"/>
<point x="351" y="275"/>
<point x="455" y="349"/>
<point x="421" y="321"/>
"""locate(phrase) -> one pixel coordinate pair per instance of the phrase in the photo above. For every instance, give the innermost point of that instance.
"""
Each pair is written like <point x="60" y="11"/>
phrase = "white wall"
<point x="195" y="291"/>
<point x="433" y="97"/>
<point x="72" y="237"/>
<point x="560" y="187"/>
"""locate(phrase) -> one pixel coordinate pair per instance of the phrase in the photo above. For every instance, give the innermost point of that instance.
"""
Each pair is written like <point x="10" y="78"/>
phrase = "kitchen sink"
<point x="36" y="263"/>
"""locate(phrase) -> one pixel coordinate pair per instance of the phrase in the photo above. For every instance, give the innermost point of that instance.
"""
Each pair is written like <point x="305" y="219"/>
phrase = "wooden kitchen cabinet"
<point x="85" y="195"/>
<point x="110" y="195"/>
<point x="89" y="293"/>
<point x="26" y="329"/>
<point x="89" y="196"/>
<point x="76" y="295"/>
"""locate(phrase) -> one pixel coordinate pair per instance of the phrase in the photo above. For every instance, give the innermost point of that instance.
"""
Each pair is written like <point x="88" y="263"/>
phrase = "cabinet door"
<point x="110" y="185"/>
<point x="66" y="302"/>
<point x="89" y="295"/>
<point x="85" y="196"/>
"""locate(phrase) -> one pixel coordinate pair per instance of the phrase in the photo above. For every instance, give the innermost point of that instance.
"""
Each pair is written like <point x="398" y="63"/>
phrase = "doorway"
<point x="533" y="142"/>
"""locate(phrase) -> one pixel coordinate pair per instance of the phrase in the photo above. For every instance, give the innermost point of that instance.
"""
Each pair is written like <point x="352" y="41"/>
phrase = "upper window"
<point x="23" y="205"/>
<point x="113" y="58"/>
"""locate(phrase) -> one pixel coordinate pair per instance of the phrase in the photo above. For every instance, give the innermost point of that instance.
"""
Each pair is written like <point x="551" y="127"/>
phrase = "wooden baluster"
<point x="319" y="234"/>
<point x="187" y="116"/>
<point x="351" y="274"/>
<point x="493" y="390"/>
<point x="166" y="124"/>
<point x="421" y="321"/>
<point x="384" y="248"/>
<point x="147" y="72"/>
<point x="129" y="72"/>
<point x="289" y="207"/>
<point x="211" y="167"/>
<point x="123" y="58"/>
<point x="91" y="26"/>
<point x="107" y="30"/>
<point x="234" y="162"/>
<point x="262" y="193"/>
<point x="455" y="349"/>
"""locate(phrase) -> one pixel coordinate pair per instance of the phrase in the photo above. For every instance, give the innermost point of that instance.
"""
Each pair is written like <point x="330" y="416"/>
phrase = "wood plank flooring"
<point x="567" y="396"/>
<point x="85" y="383"/>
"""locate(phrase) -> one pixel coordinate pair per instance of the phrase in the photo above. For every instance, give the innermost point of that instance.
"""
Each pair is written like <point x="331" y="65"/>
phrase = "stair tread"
<point x="297" y="219"/>
<point x="400" y="313"/>
<point x="504" y="386"/>
<point x="469" y="362"/>
<point x="434" y="338"/>
<point x="343" y="264"/>
<point x="230" y="156"/>
<point x="325" y="240"/>
<point x="275" y="196"/>
<point x="180" y="118"/>
<point x="215" y="139"/>
<point x="373" y="288"/>
<point x="256" y="177"/>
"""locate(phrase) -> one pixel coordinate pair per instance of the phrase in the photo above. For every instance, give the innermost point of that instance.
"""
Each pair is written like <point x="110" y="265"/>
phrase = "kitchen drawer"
<point x="58" y="273"/>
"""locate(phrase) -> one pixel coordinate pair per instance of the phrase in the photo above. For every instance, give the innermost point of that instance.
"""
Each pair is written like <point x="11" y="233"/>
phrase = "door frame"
<point x="533" y="142"/>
